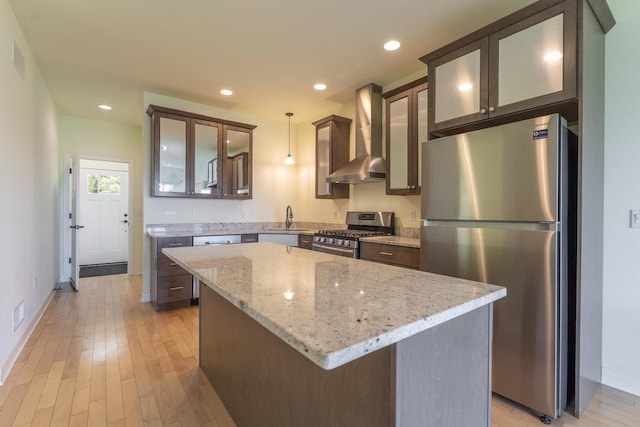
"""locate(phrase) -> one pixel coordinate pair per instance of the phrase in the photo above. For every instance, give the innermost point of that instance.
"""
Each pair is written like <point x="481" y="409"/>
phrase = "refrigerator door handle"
<point x="543" y="226"/>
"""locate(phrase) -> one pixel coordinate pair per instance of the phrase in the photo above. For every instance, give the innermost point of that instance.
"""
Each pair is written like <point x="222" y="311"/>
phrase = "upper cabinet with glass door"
<point x="406" y="128"/>
<point x="199" y="156"/>
<point x="520" y="65"/>
<point x="332" y="152"/>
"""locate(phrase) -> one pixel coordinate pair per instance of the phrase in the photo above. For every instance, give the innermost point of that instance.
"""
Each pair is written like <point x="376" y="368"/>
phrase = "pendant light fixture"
<point x="289" y="160"/>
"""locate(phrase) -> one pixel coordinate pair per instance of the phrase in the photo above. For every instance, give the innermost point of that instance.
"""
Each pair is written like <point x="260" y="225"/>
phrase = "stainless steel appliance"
<point x="498" y="206"/>
<point x="345" y="242"/>
<point x="214" y="240"/>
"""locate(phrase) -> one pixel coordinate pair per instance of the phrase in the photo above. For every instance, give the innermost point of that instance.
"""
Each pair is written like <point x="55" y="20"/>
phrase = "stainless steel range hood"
<point x="368" y="166"/>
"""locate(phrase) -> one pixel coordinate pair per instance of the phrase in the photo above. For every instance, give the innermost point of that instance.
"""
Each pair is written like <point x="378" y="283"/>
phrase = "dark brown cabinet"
<point x="249" y="238"/>
<point x="305" y="241"/>
<point x="332" y="152"/>
<point x="171" y="285"/>
<point x="403" y="256"/>
<point x="520" y="64"/>
<point x="199" y="156"/>
<point x="406" y="118"/>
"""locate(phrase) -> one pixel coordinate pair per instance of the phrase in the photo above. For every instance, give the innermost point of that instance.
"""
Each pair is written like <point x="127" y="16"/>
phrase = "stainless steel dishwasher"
<point x="224" y="239"/>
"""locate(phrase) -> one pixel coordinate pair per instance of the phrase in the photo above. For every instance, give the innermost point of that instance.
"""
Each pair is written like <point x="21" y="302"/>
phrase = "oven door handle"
<point x="333" y="250"/>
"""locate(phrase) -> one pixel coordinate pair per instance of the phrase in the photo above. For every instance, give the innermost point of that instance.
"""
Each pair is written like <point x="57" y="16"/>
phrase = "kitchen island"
<point x="290" y="337"/>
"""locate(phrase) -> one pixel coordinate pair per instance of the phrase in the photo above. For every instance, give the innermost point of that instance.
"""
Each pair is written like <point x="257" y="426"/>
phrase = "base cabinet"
<point x="402" y="256"/>
<point x="305" y="241"/>
<point x="171" y="285"/>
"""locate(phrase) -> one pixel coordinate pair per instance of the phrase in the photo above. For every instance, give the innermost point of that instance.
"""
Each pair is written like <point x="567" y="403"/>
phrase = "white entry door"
<point x="104" y="210"/>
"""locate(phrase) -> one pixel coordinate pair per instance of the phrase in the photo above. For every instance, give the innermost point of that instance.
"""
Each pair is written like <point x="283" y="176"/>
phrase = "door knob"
<point x="125" y="221"/>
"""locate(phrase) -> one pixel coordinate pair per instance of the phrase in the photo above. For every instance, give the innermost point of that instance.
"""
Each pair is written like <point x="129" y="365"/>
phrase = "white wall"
<point x="30" y="191"/>
<point x="98" y="139"/>
<point x="621" y="305"/>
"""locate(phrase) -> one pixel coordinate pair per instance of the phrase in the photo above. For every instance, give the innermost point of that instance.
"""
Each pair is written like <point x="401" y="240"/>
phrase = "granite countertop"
<point x="331" y="309"/>
<point x="394" y="240"/>
<point x="160" y="232"/>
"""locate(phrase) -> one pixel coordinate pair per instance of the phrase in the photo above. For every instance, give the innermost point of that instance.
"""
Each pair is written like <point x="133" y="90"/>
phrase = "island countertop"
<point x="331" y="309"/>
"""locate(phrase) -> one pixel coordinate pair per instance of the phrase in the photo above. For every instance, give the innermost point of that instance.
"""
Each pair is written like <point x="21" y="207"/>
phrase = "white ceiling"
<point x="270" y="53"/>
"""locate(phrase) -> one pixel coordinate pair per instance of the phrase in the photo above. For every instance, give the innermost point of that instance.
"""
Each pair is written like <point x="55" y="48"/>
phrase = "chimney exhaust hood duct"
<point x="368" y="166"/>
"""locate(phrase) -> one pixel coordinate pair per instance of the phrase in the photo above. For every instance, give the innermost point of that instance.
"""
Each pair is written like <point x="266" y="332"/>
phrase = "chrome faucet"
<point x="288" y="218"/>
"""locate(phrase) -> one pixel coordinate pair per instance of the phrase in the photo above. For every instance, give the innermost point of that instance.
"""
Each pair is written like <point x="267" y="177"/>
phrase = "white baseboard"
<point x="13" y="356"/>
<point x="145" y="297"/>
<point x="621" y="381"/>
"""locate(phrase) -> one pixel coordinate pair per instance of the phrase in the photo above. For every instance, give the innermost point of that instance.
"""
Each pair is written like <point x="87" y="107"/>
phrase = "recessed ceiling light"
<point x="465" y="87"/>
<point x="319" y="86"/>
<point x="391" y="45"/>
<point x="104" y="107"/>
<point x="226" y="92"/>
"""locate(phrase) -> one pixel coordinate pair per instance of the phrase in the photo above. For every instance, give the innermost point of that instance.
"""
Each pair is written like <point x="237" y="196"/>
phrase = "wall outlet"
<point x="335" y="214"/>
<point x="192" y="214"/>
<point x="170" y="214"/>
<point x="35" y="283"/>
<point x="412" y="215"/>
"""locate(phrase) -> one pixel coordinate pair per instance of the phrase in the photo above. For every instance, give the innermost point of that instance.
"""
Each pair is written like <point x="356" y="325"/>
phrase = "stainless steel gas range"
<point x="345" y="242"/>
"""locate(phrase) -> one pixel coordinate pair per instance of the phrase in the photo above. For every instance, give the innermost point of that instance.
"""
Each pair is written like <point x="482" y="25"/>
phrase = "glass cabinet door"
<point x="423" y="127"/>
<point x="398" y="154"/>
<point x="534" y="62"/>
<point x="461" y="85"/>
<point x="323" y="160"/>
<point x="207" y="159"/>
<point x="171" y="160"/>
<point x="530" y="62"/>
<point x="407" y="123"/>
<point x="237" y="167"/>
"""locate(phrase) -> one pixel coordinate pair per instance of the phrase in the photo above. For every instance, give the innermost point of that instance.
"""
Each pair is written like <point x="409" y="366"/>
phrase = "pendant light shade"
<point x="289" y="160"/>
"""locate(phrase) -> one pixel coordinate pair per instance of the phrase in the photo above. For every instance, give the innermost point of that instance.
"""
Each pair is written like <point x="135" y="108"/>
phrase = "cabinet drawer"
<point x="168" y="267"/>
<point x="173" y="242"/>
<point x="390" y="254"/>
<point x="305" y="241"/>
<point x="249" y="238"/>
<point x="175" y="288"/>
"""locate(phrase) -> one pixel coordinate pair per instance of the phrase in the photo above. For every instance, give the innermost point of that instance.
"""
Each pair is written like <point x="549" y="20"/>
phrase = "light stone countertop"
<point x="156" y="233"/>
<point x="394" y="240"/>
<point x="331" y="309"/>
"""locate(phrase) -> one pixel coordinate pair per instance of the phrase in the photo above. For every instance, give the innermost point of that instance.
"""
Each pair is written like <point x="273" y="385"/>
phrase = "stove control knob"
<point x="347" y="243"/>
<point x="341" y="242"/>
<point x="323" y="239"/>
<point x="332" y="241"/>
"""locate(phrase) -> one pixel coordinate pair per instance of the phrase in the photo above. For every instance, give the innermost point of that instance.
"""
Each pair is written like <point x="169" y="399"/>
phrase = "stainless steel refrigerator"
<point x="498" y="206"/>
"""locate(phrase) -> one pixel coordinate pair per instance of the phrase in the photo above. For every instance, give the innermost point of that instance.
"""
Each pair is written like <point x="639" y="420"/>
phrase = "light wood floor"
<point x="100" y="357"/>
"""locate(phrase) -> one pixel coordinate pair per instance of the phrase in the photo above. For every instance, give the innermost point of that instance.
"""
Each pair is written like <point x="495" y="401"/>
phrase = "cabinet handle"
<point x="483" y="111"/>
<point x="173" y="263"/>
<point x="249" y="240"/>
<point x="386" y="253"/>
<point x="177" y="288"/>
<point x="176" y="244"/>
<point x="492" y="109"/>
